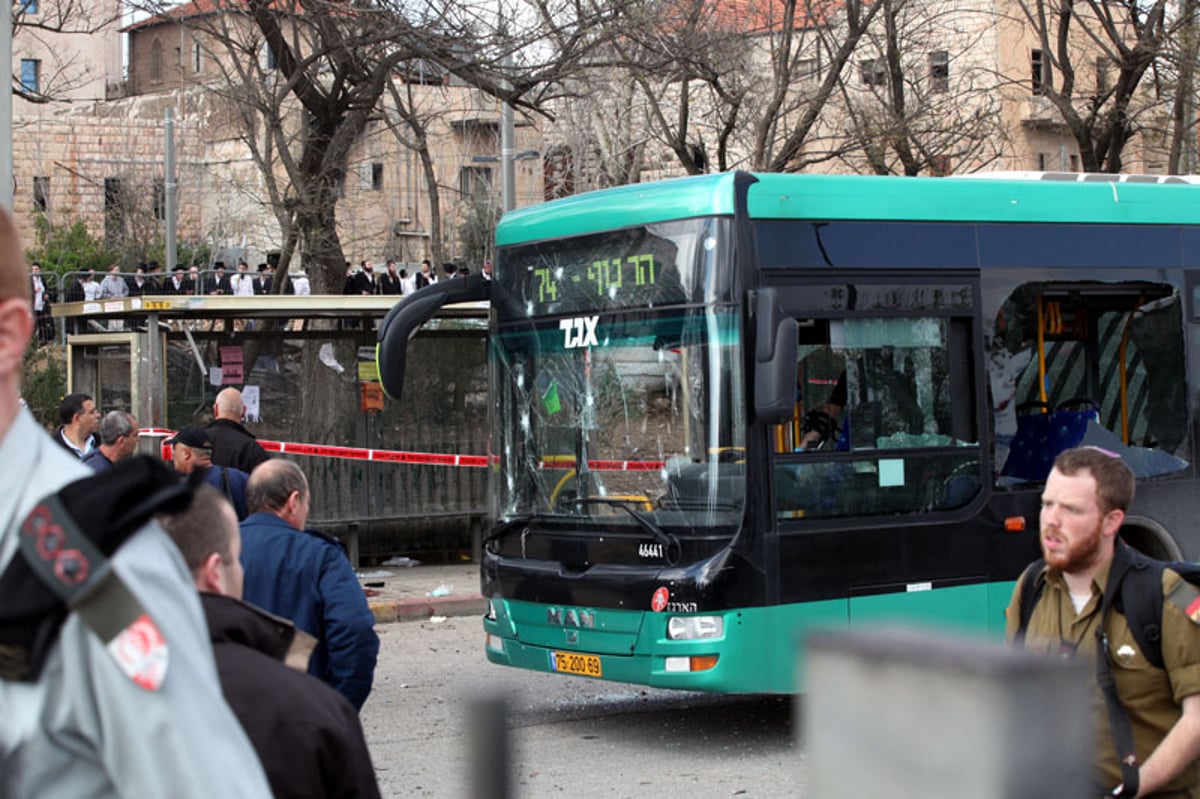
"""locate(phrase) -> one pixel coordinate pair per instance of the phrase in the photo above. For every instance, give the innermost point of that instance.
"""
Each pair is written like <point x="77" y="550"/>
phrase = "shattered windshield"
<point x="605" y="413"/>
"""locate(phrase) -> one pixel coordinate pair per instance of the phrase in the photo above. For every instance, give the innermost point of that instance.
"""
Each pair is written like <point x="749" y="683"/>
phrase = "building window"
<point x="873" y="71"/>
<point x="160" y="199"/>
<point x="197" y="56"/>
<point x="29" y="6"/>
<point x="1037" y="72"/>
<point x="808" y="70"/>
<point x="939" y="71"/>
<point x="268" y="60"/>
<point x="156" y="62"/>
<point x="31" y="75"/>
<point x="1074" y="162"/>
<point x="114" y="210"/>
<point x="339" y="181"/>
<point x="475" y="183"/>
<point x="41" y="194"/>
<point x="370" y="176"/>
<point x="1042" y="160"/>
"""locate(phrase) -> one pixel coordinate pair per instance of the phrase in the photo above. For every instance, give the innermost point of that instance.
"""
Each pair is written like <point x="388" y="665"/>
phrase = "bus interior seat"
<point x="1042" y="434"/>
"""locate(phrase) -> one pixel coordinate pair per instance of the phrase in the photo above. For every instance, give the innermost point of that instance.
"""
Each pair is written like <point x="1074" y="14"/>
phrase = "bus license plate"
<point x="575" y="663"/>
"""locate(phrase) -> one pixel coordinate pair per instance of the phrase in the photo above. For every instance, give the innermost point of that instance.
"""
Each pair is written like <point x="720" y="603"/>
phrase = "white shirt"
<point x="39" y="293"/>
<point x="243" y="284"/>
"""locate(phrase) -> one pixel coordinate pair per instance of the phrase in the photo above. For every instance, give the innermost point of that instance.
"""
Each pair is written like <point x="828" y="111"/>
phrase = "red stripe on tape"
<point x="425" y="458"/>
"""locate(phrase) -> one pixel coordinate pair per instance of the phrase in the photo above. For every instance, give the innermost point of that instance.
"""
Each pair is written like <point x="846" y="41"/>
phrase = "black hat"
<point x="196" y="437"/>
<point x="178" y="268"/>
<point x="262" y="267"/>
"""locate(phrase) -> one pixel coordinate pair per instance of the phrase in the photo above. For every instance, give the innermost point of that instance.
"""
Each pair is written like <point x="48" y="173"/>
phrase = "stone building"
<point x="100" y="158"/>
<point x="96" y="152"/>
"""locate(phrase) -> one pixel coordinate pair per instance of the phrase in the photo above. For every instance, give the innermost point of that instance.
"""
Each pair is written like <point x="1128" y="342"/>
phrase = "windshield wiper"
<point x="668" y="540"/>
<point x="509" y="526"/>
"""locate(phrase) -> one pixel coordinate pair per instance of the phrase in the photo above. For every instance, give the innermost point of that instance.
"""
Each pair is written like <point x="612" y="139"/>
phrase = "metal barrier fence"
<point x="90" y="286"/>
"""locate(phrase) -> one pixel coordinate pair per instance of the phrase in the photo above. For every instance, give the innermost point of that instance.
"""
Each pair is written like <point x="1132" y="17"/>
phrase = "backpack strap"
<point x="1031" y="583"/>
<point x="1140" y="600"/>
<point x="1118" y="719"/>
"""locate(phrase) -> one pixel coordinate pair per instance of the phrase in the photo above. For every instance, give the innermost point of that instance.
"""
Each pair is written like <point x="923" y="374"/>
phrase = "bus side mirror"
<point x="775" y="349"/>
<point x="407" y="316"/>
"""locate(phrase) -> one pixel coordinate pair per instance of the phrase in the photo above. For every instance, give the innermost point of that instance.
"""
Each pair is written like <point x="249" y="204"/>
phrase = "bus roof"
<point x="1015" y="198"/>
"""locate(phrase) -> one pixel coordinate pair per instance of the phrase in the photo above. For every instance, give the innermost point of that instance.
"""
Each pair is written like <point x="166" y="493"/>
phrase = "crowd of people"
<point x="149" y="279"/>
<point x="363" y="280"/>
<point x="218" y="658"/>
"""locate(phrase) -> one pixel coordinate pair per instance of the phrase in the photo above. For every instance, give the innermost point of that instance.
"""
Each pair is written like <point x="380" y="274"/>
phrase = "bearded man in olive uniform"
<point x="1084" y="503"/>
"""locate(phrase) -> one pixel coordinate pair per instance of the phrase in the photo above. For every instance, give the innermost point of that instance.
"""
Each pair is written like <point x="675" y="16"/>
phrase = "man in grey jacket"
<point x="83" y="726"/>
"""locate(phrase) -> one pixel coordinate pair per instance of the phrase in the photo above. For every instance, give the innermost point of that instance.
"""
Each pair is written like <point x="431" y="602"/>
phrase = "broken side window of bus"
<point x="1088" y="363"/>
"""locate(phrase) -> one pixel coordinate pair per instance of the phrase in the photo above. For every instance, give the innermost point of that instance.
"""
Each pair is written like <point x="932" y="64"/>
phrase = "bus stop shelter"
<point x="306" y="367"/>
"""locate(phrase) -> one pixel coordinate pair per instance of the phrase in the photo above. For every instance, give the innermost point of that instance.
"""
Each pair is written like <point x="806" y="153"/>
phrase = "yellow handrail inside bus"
<point x="1041" y="344"/>
<point x="1124" y="375"/>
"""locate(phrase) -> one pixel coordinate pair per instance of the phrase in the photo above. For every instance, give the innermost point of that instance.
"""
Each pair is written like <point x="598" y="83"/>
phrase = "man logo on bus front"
<point x="659" y="602"/>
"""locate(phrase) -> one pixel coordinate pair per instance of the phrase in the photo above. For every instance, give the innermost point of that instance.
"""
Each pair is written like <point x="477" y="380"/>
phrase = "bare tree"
<point x="1171" y="135"/>
<point x="718" y="86"/>
<point x="1128" y="35"/>
<point x="913" y="107"/>
<point x="309" y="75"/>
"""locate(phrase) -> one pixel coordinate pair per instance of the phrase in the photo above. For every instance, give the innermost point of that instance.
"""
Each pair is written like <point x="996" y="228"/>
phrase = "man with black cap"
<point x="262" y="283"/>
<point x="218" y="282"/>
<point x="177" y="283"/>
<point x="191" y="452"/>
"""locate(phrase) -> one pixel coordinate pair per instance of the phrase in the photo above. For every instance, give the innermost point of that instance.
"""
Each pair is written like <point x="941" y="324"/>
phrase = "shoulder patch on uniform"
<point x="1186" y="597"/>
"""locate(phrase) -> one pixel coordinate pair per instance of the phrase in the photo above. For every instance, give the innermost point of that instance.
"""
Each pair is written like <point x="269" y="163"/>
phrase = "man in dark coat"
<point x="364" y="282"/>
<point x="118" y="441"/>
<point x="389" y="281"/>
<point x="305" y="576"/>
<point x="233" y="444"/>
<point x="218" y="282"/>
<point x="307" y="735"/>
<point x="80" y="420"/>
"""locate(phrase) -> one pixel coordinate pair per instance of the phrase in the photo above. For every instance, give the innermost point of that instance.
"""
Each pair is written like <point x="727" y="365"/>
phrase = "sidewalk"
<point x="410" y="593"/>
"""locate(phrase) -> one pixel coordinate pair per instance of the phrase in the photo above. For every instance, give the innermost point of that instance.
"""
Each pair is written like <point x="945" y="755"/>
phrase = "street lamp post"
<point x="507" y="160"/>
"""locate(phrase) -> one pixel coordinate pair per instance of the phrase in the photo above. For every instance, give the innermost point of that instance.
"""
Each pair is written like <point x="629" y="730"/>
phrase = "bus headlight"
<point x="691" y="628"/>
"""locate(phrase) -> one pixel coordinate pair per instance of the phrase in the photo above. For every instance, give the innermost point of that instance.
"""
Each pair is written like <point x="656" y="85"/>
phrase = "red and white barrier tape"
<point x="423" y="458"/>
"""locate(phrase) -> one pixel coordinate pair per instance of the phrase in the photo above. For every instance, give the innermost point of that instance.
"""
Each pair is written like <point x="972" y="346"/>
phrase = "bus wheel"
<point x="1150" y="538"/>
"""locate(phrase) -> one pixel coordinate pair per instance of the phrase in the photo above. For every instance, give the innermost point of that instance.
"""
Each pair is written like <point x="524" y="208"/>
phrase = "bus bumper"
<point x="632" y="646"/>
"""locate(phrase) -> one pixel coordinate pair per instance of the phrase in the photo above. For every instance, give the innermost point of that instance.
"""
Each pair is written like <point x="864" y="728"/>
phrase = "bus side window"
<point x="1081" y="363"/>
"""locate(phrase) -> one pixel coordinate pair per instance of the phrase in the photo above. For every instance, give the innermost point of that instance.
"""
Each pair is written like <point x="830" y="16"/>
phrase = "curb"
<point x="420" y="608"/>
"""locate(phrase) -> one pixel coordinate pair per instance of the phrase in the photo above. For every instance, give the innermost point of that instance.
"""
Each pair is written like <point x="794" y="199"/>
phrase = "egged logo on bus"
<point x="579" y="332"/>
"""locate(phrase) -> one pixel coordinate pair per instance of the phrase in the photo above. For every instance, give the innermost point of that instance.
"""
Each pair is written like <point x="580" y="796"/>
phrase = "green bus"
<point x="730" y="409"/>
